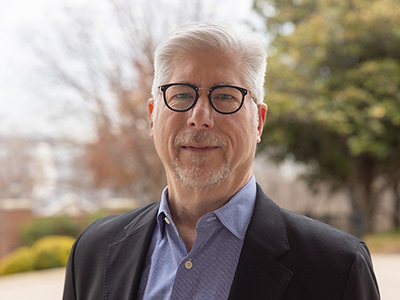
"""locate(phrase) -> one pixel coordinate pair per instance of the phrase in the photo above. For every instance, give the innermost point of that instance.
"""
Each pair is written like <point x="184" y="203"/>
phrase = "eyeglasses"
<point x="225" y="99"/>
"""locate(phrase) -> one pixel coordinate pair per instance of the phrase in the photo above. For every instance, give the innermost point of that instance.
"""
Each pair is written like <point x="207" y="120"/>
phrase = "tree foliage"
<point x="334" y="93"/>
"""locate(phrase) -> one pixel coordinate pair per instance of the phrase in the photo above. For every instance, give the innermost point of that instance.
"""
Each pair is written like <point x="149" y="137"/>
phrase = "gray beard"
<point x="199" y="176"/>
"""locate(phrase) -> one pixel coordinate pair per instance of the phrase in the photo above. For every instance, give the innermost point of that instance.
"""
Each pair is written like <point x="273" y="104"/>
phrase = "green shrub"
<point x="48" y="252"/>
<point x="52" y="251"/>
<point x="41" y="227"/>
<point x="20" y="260"/>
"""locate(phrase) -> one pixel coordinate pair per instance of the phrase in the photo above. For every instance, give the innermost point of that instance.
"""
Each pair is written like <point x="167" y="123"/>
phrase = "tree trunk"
<point x="364" y="201"/>
<point x="358" y="213"/>
<point x="396" y="213"/>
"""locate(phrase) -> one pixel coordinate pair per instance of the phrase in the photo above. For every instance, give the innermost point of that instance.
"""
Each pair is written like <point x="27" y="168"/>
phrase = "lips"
<point x="199" y="147"/>
<point x="198" y="141"/>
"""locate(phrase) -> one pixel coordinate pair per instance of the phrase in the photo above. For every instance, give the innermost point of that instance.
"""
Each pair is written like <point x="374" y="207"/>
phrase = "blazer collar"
<point x="125" y="258"/>
<point x="267" y="226"/>
<point x="259" y="274"/>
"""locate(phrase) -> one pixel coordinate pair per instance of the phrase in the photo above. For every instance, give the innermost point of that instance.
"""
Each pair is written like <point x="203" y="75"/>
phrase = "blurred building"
<point x="13" y="212"/>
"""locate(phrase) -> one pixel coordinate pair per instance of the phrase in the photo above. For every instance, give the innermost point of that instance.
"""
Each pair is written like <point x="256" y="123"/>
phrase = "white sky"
<point x="22" y="110"/>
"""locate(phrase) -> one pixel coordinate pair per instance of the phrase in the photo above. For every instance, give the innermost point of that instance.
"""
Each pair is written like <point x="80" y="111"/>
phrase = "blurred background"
<point x="75" y="76"/>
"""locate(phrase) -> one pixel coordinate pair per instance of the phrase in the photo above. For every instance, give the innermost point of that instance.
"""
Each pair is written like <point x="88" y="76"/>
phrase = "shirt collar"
<point x="164" y="214"/>
<point x="234" y="215"/>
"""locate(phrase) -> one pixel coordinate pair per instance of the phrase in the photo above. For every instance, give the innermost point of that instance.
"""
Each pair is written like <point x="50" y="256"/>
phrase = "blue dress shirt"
<point x="207" y="271"/>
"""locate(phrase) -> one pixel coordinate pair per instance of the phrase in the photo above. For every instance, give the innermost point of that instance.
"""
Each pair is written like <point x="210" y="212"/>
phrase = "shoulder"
<point x="89" y="250"/>
<point x="114" y="227"/>
<point x="301" y="241"/>
<point x="88" y="258"/>
<point x="324" y="260"/>
<point x="300" y="232"/>
<point x="327" y="257"/>
<point x="306" y="231"/>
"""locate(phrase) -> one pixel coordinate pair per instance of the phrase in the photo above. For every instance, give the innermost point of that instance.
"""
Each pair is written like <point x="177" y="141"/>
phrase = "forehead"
<point x="205" y="68"/>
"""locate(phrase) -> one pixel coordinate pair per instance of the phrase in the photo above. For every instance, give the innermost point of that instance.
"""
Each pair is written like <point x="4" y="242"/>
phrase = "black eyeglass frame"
<point x="164" y="88"/>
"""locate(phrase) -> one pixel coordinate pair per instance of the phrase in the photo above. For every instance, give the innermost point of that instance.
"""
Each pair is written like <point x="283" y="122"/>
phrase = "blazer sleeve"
<point x="84" y="266"/>
<point x="69" y="285"/>
<point x="361" y="283"/>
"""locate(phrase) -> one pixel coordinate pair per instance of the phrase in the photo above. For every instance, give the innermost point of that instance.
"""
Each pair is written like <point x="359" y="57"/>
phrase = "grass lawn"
<point x="387" y="242"/>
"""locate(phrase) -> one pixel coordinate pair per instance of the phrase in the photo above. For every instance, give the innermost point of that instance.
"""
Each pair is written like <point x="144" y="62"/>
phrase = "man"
<point x="215" y="234"/>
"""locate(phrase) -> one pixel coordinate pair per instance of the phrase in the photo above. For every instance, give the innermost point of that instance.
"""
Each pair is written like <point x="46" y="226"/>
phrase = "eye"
<point x="183" y="96"/>
<point x="225" y="96"/>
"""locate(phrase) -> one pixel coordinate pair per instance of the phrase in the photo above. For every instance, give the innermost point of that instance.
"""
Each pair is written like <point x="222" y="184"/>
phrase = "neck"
<point x="187" y="206"/>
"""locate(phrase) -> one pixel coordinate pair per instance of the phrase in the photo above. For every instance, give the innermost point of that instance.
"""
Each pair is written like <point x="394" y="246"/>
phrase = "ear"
<point x="150" y="104"/>
<point x="262" y="115"/>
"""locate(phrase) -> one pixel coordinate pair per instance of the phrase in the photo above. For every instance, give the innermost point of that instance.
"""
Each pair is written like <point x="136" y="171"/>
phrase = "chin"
<point x="199" y="179"/>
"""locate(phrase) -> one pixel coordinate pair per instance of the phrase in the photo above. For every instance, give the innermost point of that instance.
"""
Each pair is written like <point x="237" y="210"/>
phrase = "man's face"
<point x="202" y="148"/>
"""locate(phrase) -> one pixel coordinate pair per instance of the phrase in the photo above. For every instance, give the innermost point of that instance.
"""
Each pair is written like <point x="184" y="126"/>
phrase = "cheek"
<point x="165" y="128"/>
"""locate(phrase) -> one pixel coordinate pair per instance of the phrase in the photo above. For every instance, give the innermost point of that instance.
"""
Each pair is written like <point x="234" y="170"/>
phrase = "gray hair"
<point x="248" y="49"/>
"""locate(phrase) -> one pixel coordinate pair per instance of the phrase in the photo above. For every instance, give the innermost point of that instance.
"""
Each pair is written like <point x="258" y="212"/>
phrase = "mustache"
<point x="200" y="137"/>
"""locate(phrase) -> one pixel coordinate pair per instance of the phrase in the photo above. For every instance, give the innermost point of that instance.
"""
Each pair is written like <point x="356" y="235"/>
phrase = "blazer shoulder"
<point x="308" y="231"/>
<point x="114" y="227"/>
<point x="330" y="259"/>
<point x="91" y="254"/>
<point x="298" y="230"/>
<point x="326" y="263"/>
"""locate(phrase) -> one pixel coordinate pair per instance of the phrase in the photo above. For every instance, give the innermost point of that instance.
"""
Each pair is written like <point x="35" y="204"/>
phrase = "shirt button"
<point x="188" y="265"/>
<point x="167" y="220"/>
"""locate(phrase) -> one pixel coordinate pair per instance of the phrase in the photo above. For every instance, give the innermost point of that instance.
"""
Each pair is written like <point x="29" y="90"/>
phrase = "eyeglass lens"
<point x="224" y="99"/>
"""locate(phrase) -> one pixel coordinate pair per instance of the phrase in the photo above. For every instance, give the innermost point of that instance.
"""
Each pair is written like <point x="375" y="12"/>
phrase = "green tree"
<point x="334" y="93"/>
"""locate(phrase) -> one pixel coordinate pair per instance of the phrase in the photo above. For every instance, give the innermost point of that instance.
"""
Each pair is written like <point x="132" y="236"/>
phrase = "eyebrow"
<point x="214" y="84"/>
<point x="223" y="83"/>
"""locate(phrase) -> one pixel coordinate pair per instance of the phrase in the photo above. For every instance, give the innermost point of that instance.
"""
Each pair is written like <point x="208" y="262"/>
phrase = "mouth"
<point x="198" y="142"/>
<point x="199" y="148"/>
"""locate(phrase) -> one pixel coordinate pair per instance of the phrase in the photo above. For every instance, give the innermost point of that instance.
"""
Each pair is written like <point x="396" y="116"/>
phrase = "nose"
<point x="201" y="115"/>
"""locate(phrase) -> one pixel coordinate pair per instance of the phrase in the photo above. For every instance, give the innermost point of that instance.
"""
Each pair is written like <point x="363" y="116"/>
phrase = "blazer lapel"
<point x="125" y="258"/>
<point x="259" y="275"/>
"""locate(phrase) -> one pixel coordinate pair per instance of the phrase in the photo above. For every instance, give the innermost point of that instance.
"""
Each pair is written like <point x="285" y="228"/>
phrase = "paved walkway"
<point x="39" y="285"/>
<point x="387" y="273"/>
<point x="48" y="284"/>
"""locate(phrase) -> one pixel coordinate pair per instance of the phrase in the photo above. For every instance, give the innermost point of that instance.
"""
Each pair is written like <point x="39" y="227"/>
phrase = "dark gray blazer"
<point x="285" y="256"/>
